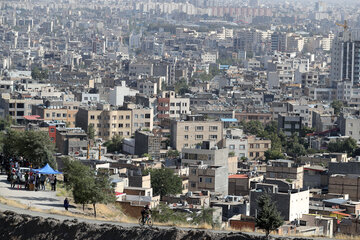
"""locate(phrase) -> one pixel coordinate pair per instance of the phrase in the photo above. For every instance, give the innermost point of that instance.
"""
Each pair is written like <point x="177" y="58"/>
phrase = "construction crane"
<point x="345" y="25"/>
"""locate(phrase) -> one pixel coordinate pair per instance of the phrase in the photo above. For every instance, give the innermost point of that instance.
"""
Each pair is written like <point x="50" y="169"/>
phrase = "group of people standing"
<point x="33" y="181"/>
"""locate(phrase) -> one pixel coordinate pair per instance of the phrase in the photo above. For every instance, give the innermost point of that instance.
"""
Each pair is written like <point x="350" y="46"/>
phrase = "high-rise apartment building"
<point x="345" y="58"/>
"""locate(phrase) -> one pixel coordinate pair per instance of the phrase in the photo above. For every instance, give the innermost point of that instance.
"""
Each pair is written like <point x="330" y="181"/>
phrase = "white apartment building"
<point x="117" y="94"/>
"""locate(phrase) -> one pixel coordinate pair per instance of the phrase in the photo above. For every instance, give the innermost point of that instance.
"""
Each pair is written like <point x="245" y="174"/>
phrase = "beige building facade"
<point x="187" y="134"/>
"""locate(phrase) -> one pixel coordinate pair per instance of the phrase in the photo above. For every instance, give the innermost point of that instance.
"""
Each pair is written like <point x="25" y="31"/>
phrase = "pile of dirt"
<point x="16" y="226"/>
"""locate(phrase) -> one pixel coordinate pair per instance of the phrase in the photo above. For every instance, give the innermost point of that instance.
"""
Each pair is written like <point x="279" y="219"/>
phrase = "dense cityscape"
<point x="218" y="114"/>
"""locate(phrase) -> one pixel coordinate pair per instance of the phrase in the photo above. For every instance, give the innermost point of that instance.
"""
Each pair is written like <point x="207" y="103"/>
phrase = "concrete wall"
<point x="344" y="168"/>
<point x="290" y="205"/>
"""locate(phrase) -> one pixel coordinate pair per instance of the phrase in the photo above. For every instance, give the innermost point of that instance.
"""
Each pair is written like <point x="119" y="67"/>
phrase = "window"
<point x="48" y="115"/>
<point x="266" y="145"/>
<point x="127" y="116"/>
<point x="113" y="125"/>
<point x="213" y="128"/>
<point x="257" y="145"/>
<point x="147" y="115"/>
<point x="114" y="117"/>
<point x="199" y="128"/>
<point x="136" y="125"/>
<point x="251" y="145"/>
<point x="213" y="136"/>
<point x="58" y="115"/>
<point x="92" y="117"/>
<point x="52" y="130"/>
<point x="121" y="117"/>
<point x="98" y="125"/>
<point x="99" y="117"/>
<point x="199" y="136"/>
<point x="121" y="125"/>
<point x="142" y="116"/>
<point x="186" y="128"/>
<point x="186" y="136"/>
<point x="257" y="154"/>
<point x="200" y="179"/>
<point x="127" y="125"/>
<point x="208" y="180"/>
<point x="231" y="147"/>
<point x="136" y="116"/>
<point x="193" y="185"/>
<point x="242" y="147"/>
<point x="64" y="114"/>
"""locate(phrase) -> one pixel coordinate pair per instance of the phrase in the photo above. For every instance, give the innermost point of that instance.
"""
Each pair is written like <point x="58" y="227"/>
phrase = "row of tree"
<point x="34" y="146"/>
<point x="294" y="145"/>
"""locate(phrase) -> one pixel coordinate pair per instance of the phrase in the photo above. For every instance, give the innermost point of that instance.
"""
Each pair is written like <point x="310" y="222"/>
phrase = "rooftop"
<point x="239" y="176"/>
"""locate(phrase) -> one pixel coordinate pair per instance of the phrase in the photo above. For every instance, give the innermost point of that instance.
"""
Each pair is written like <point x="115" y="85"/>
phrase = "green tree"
<point x="147" y="155"/>
<point x="297" y="150"/>
<point x="205" y="216"/>
<point x="115" y="144"/>
<point x="102" y="191"/>
<point x="37" y="147"/>
<point x="34" y="146"/>
<point x="268" y="217"/>
<point x="173" y="153"/>
<point x="253" y="127"/>
<point x="338" y="106"/>
<point x="164" y="181"/>
<point x="39" y="74"/>
<point x="273" y="154"/>
<point x="88" y="187"/>
<point x="181" y="87"/>
<point x="10" y="143"/>
<point x="163" y="213"/>
<point x="91" y="132"/>
<point x="79" y="179"/>
<point x="271" y="127"/>
<point x="6" y="122"/>
<point x="347" y="145"/>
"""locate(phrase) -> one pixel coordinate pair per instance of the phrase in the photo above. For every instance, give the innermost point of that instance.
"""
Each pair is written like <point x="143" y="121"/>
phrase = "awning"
<point x="46" y="170"/>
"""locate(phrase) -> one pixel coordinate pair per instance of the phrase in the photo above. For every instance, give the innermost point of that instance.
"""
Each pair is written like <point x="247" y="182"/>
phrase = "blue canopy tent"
<point x="46" y="170"/>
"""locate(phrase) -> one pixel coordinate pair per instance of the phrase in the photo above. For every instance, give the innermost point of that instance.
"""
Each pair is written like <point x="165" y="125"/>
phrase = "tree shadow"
<point x="38" y="199"/>
<point x="55" y="205"/>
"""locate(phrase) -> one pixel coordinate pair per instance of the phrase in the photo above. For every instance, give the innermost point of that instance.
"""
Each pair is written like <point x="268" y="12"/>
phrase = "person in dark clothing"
<point x="37" y="182"/>
<point x="54" y="184"/>
<point x="26" y="180"/>
<point x="145" y="213"/>
<point x="66" y="204"/>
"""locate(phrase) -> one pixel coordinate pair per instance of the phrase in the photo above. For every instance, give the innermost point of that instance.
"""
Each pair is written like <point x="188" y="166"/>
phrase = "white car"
<point x="22" y="171"/>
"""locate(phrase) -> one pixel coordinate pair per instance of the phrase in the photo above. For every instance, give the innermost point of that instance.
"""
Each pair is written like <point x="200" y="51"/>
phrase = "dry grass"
<point x="245" y="229"/>
<point x="347" y="237"/>
<point x="12" y="203"/>
<point x="61" y="191"/>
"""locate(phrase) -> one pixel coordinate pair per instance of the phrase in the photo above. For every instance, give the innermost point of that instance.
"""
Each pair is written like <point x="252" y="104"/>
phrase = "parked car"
<point x="23" y="170"/>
